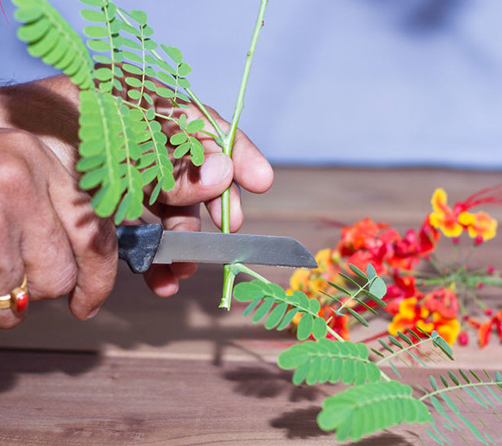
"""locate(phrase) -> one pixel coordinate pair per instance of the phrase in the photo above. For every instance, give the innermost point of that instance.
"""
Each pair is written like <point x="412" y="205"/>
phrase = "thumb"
<point x="200" y="184"/>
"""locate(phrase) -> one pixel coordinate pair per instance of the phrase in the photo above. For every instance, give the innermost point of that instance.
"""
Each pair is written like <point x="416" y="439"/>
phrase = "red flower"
<point x="376" y="243"/>
<point x="485" y="329"/>
<point x="442" y="300"/>
<point x="402" y="288"/>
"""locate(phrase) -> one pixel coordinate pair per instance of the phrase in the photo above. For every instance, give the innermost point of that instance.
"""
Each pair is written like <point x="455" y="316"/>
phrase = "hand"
<point x="49" y="232"/>
<point x="179" y="208"/>
<point x="43" y="154"/>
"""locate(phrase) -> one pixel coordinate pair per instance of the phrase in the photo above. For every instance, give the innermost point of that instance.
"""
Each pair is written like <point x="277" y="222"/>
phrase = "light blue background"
<point x="371" y="82"/>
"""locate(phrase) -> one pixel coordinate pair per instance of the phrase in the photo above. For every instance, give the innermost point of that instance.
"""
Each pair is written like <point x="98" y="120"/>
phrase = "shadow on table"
<point x="302" y="424"/>
<point x="134" y="319"/>
<point x="267" y="381"/>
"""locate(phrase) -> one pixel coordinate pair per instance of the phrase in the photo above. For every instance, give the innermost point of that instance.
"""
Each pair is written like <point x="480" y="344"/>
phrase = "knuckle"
<point x="60" y="281"/>
<point x="15" y="174"/>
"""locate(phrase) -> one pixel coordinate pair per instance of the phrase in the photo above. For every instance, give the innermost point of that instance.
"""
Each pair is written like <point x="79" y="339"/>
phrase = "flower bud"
<point x="456" y="240"/>
<point x="463" y="338"/>
<point x="478" y="240"/>
<point x="488" y="311"/>
<point x="490" y="269"/>
<point x="480" y="285"/>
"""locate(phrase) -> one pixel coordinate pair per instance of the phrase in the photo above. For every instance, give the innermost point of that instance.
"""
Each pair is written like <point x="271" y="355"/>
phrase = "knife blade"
<point x="142" y="245"/>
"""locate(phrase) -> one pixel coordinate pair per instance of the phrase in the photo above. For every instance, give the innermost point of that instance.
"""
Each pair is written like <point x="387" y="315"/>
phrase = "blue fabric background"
<point x="366" y="82"/>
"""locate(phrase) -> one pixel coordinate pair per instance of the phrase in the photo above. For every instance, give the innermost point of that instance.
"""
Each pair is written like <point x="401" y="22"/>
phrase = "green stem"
<point x="228" y="140"/>
<point x="227" y="145"/>
<point x="205" y="111"/>
<point x="462" y="386"/>
<point x="229" y="272"/>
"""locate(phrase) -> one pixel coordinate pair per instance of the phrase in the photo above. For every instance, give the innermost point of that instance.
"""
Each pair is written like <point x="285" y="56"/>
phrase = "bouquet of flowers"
<point x="423" y="290"/>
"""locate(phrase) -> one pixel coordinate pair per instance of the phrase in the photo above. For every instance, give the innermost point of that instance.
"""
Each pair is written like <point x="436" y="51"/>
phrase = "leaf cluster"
<point x="123" y="145"/>
<point x="373" y="402"/>
<point x="329" y="361"/>
<point x="270" y="301"/>
<point x="367" y="291"/>
<point x="410" y="348"/>
<point x="473" y="392"/>
<point x="363" y="410"/>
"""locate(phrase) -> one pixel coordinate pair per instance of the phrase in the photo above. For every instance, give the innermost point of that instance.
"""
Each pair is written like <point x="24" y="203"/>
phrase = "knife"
<point x="142" y="245"/>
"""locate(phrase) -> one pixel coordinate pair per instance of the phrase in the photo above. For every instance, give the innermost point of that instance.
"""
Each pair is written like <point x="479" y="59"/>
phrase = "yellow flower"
<point x="413" y="313"/>
<point x="483" y="226"/>
<point x="443" y="217"/>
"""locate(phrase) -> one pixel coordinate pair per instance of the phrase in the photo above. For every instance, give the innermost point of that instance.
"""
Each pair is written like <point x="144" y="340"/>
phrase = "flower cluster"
<point x="443" y="300"/>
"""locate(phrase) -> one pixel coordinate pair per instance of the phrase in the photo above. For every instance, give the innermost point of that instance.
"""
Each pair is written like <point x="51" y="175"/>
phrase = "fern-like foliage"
<point x="269" y="299"/>
<point x="369" y="288"/>
<point x="371" y="407"/>
<point x="52" y="39"/>
<point x="411" y="347"/>
<point x="107" y="132"/>
<point x="329" y="361"/>
<point x="123" y="146"/>
<point x="472" y="391"/>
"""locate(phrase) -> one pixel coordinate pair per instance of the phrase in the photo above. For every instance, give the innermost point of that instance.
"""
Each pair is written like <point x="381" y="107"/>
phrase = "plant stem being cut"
<point x="227" y="146"/>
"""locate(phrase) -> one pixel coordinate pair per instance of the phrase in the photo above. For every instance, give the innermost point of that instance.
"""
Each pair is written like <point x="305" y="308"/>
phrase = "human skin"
<point x="49" y="231"/>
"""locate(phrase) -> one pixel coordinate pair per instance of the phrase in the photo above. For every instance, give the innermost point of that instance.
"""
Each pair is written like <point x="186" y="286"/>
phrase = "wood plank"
<point x="68" y="399"/>
<point x="134" y="322"/>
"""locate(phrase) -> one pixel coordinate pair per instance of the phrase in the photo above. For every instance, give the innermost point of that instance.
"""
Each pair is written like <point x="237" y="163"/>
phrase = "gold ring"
<point x="17" y="299"/>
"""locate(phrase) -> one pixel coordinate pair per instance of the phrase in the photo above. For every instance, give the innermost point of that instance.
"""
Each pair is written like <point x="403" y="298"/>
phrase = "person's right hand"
<point x="49" y="231"/>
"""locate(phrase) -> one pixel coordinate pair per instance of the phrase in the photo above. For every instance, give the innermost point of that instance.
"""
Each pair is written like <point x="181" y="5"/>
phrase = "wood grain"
<point x="179" y="371"/>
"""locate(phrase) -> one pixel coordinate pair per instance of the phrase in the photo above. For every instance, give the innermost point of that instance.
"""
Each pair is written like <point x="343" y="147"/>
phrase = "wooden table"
<point x="179" y="371"/>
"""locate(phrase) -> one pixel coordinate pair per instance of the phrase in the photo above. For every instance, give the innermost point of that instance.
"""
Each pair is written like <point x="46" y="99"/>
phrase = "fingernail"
<point x="215" y="169"/>
<point x="93" y="313"/>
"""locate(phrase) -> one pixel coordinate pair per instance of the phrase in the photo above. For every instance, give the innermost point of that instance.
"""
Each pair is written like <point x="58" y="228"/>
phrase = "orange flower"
<point x="360" y="235"/>
<point x="452" y="222"/>
<point x="485" y="329"/>
<point x="482" y="226"/>
<point x="412" y="313"/>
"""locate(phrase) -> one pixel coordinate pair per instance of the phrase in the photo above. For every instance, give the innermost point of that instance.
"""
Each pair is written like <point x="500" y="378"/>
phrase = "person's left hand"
<point x="49" y="110"/>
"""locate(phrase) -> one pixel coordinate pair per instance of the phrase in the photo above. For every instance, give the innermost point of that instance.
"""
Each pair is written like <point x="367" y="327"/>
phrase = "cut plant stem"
<point x="228" y="142"/>
<point x="229" y="272"/>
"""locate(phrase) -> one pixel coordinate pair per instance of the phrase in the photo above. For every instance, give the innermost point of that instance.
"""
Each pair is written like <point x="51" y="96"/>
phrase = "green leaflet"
<point x="267" y="297"/>
<point x="52" y="39"/>
<point x="405" y="348"/>
<point x="331" y="360"/>
<point x="485" y="393"/>
<point x="362" y="410"/>
<point x="364" y="285"/>
<point x="108" y="148"/>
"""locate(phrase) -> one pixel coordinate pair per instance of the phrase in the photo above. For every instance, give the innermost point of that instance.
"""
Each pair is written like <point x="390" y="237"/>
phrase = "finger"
<point x="251" y="169"/>
<point x="94" y="244"/>
<point x="48" y="258"/>
<point x="163" y="280"/>
<point x="236" y="215"/>
<point x="41" y="249"/>
<point x="11" y="269"/>
<point x="198" y="184"/>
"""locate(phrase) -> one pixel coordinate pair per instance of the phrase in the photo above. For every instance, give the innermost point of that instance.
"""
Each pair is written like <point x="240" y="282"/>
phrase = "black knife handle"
<point x="138" y="245"/>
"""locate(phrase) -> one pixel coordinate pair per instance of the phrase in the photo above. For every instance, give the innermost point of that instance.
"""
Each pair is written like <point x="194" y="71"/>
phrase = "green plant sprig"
<point x="479" y="392"/>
